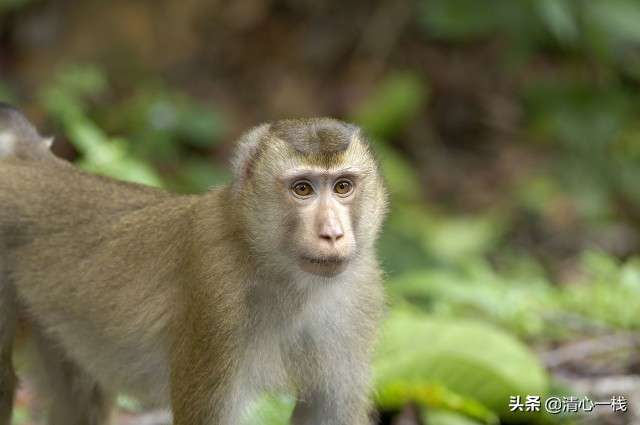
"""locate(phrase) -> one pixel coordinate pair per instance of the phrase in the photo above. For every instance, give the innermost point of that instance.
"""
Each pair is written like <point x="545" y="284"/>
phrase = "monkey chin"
<point x="323" y="266"/>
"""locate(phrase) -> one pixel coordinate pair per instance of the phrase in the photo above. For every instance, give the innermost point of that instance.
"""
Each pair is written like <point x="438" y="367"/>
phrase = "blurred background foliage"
<point x="508" y="132"/>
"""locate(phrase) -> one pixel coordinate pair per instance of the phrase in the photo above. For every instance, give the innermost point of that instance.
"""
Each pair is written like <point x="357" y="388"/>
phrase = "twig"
<point x="588" y="348"/>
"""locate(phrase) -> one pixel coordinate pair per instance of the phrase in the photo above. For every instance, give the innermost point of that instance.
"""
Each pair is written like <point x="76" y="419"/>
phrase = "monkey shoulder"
<point x="56" y="186"/>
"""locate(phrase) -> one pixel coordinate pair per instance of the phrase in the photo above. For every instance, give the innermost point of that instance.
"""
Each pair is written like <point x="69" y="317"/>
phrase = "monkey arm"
<point x="204" y="361"/>
<point x="200" y="382"/>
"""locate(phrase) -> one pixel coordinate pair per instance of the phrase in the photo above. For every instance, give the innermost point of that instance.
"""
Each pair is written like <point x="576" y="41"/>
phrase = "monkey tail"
<point x="19" y="138"/>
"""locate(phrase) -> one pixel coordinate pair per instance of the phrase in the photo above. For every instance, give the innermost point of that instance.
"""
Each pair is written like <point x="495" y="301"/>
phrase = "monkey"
<point x="202" y="302"/>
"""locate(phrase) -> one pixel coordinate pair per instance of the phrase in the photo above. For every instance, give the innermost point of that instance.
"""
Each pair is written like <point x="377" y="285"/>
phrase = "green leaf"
<point x="200" y="125"/>
<point x="128" y="403"/>
<point x="458" y="19"/>
<point x="270" y="410"/>
<point x="559" y="18"/>
<point x="81" y="80"/>
<point x="445" y="417"/>
<point x="617" y="18"/>
<point x="481" y="365"/>
<point x="394" y="395"/>
<point x="109" y="157"/>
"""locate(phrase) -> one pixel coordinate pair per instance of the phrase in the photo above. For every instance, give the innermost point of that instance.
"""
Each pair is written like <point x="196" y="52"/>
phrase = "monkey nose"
<point x="331" y="231"/>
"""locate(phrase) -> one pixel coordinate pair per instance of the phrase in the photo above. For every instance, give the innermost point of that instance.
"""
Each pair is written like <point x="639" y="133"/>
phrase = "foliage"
<point x="479" y="366"/>
<point x="159" y="121"/>
<point x="65" y="100"/>
<point x="530" y="306"/>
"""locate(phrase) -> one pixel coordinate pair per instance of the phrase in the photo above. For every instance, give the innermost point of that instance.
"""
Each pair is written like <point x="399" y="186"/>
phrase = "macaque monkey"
<point x="197" y="302"/>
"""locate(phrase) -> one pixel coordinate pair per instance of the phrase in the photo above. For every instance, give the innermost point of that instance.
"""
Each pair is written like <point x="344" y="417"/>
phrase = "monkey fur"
<point x="197" y="302"/>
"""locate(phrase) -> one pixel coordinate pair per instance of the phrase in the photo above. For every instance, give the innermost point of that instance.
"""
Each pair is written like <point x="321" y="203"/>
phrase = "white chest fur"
<point x="279" y="335"/>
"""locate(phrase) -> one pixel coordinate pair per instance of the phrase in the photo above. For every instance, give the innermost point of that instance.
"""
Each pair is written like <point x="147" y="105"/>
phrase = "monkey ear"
<point x="14" y="122"/>
<point x="246" y="153"/>
<point x="18" y="137"/>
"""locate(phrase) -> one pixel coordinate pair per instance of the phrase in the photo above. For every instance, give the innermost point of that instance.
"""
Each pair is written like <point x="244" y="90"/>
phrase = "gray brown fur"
<point x="177" y="298"/>
<point x="316" y="135"/>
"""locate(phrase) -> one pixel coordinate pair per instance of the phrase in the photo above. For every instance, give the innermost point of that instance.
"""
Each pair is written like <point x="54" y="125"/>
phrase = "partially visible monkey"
<point x="200" y="302"/>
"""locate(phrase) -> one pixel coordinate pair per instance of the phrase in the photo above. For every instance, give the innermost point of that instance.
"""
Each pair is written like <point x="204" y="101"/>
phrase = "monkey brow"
<point x="322" y="172"/>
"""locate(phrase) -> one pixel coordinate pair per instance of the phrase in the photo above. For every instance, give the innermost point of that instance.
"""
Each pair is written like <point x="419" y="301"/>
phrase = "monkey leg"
<point x="8" y="315"/>
<point x="75" y="397"/>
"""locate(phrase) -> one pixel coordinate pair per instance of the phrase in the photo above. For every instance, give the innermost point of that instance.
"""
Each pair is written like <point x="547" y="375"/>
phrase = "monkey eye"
<point x="302" y="189"/>
<point x="343" y="187"/>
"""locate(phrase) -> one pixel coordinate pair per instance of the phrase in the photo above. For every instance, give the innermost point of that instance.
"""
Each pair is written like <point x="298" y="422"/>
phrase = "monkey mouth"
<point x="324" y="261"/>
<point x="323" y="266"/>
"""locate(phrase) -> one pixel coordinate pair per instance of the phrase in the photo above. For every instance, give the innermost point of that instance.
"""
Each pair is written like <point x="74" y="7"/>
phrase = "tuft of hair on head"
<point x="18" y="137"/>
<point x="315" y="135"/>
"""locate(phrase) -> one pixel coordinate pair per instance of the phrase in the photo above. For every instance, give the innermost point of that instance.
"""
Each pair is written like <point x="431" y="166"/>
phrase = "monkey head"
<point x="309" y="191"/>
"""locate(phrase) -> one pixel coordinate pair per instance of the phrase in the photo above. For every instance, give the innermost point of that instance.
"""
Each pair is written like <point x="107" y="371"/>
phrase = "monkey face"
<point x="321" y="218"/>
<point x="317" y="204"/>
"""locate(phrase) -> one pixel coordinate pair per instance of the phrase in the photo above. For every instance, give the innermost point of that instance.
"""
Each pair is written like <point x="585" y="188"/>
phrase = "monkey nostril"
<point x="326" y="237"/>
<point x="331" y="235"/>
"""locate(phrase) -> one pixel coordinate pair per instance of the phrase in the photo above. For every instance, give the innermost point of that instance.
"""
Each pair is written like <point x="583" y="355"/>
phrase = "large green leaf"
<point x="478" y="363"/>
